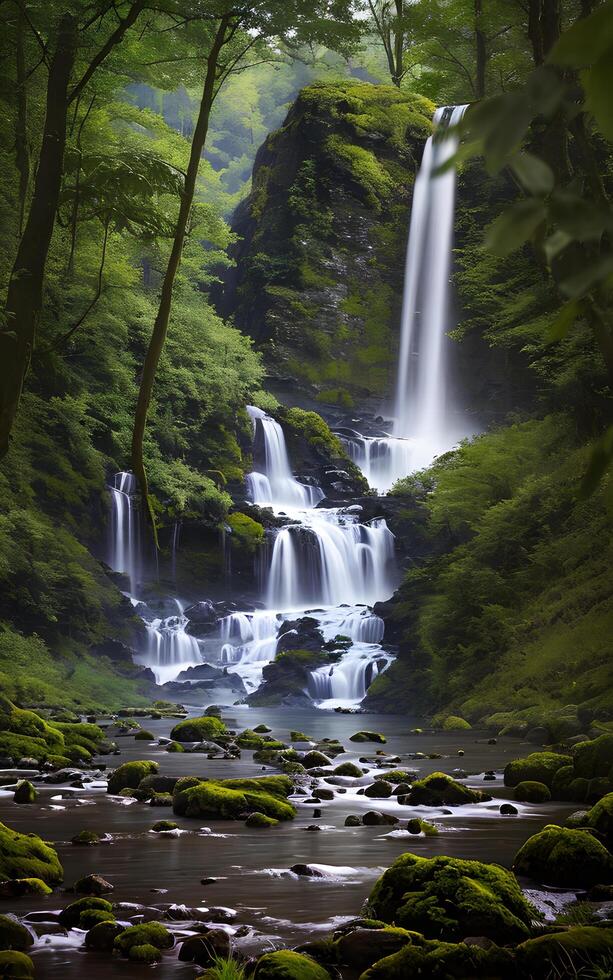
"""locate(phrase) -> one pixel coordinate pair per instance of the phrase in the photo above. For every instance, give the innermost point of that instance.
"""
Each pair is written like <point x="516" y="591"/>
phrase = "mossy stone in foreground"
<point x="91" y="917"/>
<point x="430" y="960"/>
<point x="348" y="769"/>
<point x="145" y="934"/>
<point x="365" y="736"/>
<point x="27" y="856"/>
<point x="532" y="792"/>
<point x="15" y="965"/>
<point x="198" y="729"/>
<point x="562" y="856"/>
<point x="71" y="915"/>
<point x="144" y="954"/>
<point x="17" y="887"/>
<point x="594" y="758"/>
<point x="452" y="898"/>
<point x="13" y="935"/>
<point x="25" y="792"/>
<point x="229" y="799"/>
<point x="539" y="767"/>
<point x="438" y="789"/>
<point x="363" y="946"/>
<point x="600" y="817"/>
<point x="102" y="936"/>
<point x="130" y="774"/>
<point x="287" y="965"/>
<point x="260" y="820"/>
<point x="562" y="953"/>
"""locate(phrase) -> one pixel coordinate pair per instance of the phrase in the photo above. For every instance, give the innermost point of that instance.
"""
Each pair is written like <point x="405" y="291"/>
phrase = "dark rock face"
<point x="319" y="267"/>
<point x="300" y="634"/>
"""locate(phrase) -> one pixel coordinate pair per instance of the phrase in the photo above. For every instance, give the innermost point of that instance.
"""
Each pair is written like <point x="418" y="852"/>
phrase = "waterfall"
<point x="272" y="483"/>
<point x="421" y="386"/>
<point x="382" y="459"/>
<point x="125" y="536"/>
<point x="348" y="680"/>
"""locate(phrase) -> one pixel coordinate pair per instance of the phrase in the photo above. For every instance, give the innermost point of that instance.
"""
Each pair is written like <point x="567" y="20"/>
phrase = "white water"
<point x="124" y="544"/>
<point x="273" y="484"/>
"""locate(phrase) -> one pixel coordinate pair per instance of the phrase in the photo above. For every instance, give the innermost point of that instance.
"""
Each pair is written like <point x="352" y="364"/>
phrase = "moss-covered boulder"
<point x="600" y="818"/>
<point x="365" y="736"/>
<point x="379" y="790"/>
<point x="163" y="826"/>
<point x="93" y="884"/>
<point x="564" y="856"/>
<point x="260" y="820"/>
<point x="361" y="947"/>
<point x="250" y="739"/>
<point x="231" y="799"/>
<point x="314" y="760"/>
<point x="145" y="934"/>
<point x="348" y="769"/>
<point x="102" y="936"/>
<point x="25" y="792"/>
<point x="143" y="735"/>
<point x="146" y="953"/>
<point x="594" y="758"/>
<point x="71" y="915"/>
<point x="430" y="960"/>
<point x="27" y="856"/>
<point x="92" y="917"/>
<point x="567" y="954"/>
<point x="452" y="898"/>
<point x="85" y="838"/>
<point x="205" y="728"/>
<point x="285" y="964"/>
<point x="13" y="935"/>
<point x="530" y="791"/>
<point x="539" y="767"/>
<point x="15" y="965"/>
<point x="452" y="723"/>
<point x="174" y="747"/>
<point x="418" y="826"/>
<point x="18" y="887"/>
<point x="130" y="774"/>
<point x="438" y="789"/>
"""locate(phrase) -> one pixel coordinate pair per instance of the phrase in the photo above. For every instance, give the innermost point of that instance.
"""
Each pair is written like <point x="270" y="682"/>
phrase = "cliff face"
<point x="319" y="270"/>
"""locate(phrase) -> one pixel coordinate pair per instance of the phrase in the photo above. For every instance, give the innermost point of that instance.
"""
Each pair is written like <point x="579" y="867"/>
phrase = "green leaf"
<point x="515" y="226"/>
<point x="536" y="176"/>
<point x="586" y="41"/>
<point x="555" y="244"/>
<point x="563" y="321"/>
<point x="579" y="217"/>
<point x="587" y="278"/>
<point x="598" y="85"/>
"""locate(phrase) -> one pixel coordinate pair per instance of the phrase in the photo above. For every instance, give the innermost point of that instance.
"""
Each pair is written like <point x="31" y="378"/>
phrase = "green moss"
<point x="452" y="898"/>
<point x="418" y="826"/>
<point x="250" y="740"/>
<point x="315" y="759"/>
<point x="144" y="954"/>
<point x="583" y="948"/>
<point x="438" y="789"/>
<point x="146" y="934"/>
<point x="162" y="825"/>
<point x="594" y="758"/>
<point x="91" y="917"/>
<point x="16" y="887"/>
<point x="205" y="728"/>
<point x="71" y="915"/>
<point x="452" y="723"/>
<point x="287" y="965"/>
<point x="130" y="774"/>
<point x="441" y="961"/>
<point x="102" y="936"/>
<point x="25" y="792"/>
<point x="86" y="837"/>
<point x="13" y="935"/>
<point x="348" y="769"/>
<point x="600" y="817"/>
<point x="260" y="820"/>
<point x="364" y="736"/>
<point x="529" y="791"/>
<point x="229" y="799"/>
<point x="144" y="736"/>
<point x="27" y="856"/>
<point x="174" y="747"/>
<point x="565" y="857"/>
<point x="247" y="535"/>
<point x="297" y="736"/>
<point x="15" y="965"/>
<point x="539" y="767"/>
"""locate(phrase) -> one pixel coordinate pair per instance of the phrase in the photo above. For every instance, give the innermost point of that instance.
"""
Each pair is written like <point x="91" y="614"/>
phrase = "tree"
<point x="237" y="37"/>
<point x="390" y="24"/>
<point x="66" y="38"/>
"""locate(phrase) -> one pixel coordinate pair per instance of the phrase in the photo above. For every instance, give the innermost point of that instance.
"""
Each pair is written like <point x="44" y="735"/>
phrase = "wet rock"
<point x="353" y="821"/>
<point x="285" y="964"/>
<point x="375" y="818"/>
<point x="306" y="871"/>
<point x="25" y="792"/>
<point x="532" y="792"/>
<point x="366" y="736"/>
<point x="314" y="759"/>
<point x="16" y="965"/>
<point x="379" y="790"/>
<point x="93" y="884"/>
<point x="438" y="788"/>
<point x="71" y="915"/>
<point x="208" y="881"/>
<point x="507" y="809"/>
<point x="312" y="827"/>
<point x="300" y="634"/>
<point x="162" y="826"/>
<point x="85" y="838"/>
<point x="203" y="949"/>
<point x="559" y="856"/>
<point x="360" y="948"/>
<point x="17" y="887"/>
<point x="324" y="794"/>
<point x="260" y="820"/>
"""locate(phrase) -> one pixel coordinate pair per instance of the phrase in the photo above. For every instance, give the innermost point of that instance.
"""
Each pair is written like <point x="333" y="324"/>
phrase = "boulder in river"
<point x="205" y="948"/>
<point x="438" y="789"/>
<point x="27" y="856"/>
<point x="565" y="857"/>
<point x="285" y="964"/>
<point x="13" y="935"/>
<point x="25" y="792"/>
<point x="375" y="818"/>
<point x="365" y="736"/>
<point x="93" y="884"/>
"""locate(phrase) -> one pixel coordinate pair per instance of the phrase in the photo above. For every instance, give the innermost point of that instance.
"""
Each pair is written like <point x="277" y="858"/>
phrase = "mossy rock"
<point x="102" y="936"/>
<point x="25" y="792"/>
<point x="364" y="736"/>
<point x="251" y="740"/>
<point x="229" y="799"/>
<point x="164" y="825"/>
<point x="561" y="783"/>
<point x="361" y="947"/>
<point x="565" y="857"/>
<point x="144" y="736"/>
<point x="418" y="826"/>
<point x="567" y="953"/>
<point x="600" y="818"/>
<point x="397" y="776"/>
<point x="532" y="792"/>
<point x="297" y="737"/>
<point x="202" y="729"/>
<point x="315" y="759"/>
<point x="262" y="729"/>
<point x="452" y="723"/>
<point x="284" y="964"/>
<point x="70" y="916"/>
<point x="130" y="774"/>
<point x="539" y="767"/>
<point x="161" y="799"/>
<point x="13" y="935"/>
<point x="27" y="856"/>
<point x="145" y="934"/>
<point x="174" y="747"/>
<point x="260" y="820"/>
<point x="430" y="960"/>
<point x="379" y="790"/>
<point x="18" y="887"/>
<point x="438" y="789"/>
<point x="594" y="758"/>
<point x="452" y="898"/>
<point x="144" y="954"/>
<point x="15" y="965"/>
<point x="91" y="917"/>
<point x="85" y="838"/>
<point x="348" y="769"/>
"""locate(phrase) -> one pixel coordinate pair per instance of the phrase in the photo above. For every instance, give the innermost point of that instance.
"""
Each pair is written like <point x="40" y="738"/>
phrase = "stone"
<point x="93" y="884"/>
<point x="203" y="949"/>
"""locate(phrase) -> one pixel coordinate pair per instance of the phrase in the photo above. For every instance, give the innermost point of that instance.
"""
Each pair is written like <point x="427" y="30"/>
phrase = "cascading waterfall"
<point x="273" y="485"/>
<point x="125" y="537"/>
<point x="382" y="459"/>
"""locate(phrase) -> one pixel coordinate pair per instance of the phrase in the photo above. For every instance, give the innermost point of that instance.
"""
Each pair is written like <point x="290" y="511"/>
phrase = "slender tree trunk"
<point x="398" y="43"/>
<point x="160" y="327"/>
<point x="481" y="50"/>
<point x="534" y="31"/>
<point x="22" y="150"/>
<point x="25" y="291"/>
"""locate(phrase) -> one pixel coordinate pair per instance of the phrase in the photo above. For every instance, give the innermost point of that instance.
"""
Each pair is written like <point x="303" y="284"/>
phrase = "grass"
<point x="225" y="969"/>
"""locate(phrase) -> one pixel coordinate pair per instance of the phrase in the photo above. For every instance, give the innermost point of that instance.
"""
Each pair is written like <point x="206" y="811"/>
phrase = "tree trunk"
<point x="25" y="291"/>
<point x="160" y="327"/>
<point x="481" y="50"/>
<point x="22" y="152"/>
<point x="534" y="31"/>
<point x="398" y="44"/>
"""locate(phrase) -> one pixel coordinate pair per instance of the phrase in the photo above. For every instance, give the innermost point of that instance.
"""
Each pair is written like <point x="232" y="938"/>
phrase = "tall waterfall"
<point x="421" y="409"/>
<point x="272" y="484"/>
<point x="125" y="537"/>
